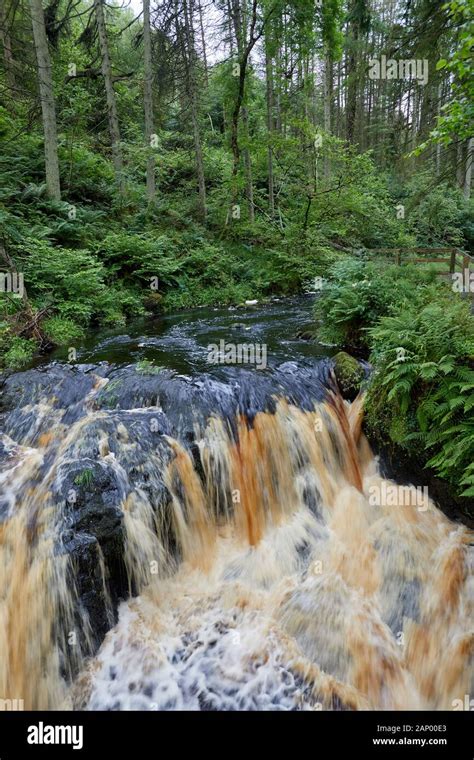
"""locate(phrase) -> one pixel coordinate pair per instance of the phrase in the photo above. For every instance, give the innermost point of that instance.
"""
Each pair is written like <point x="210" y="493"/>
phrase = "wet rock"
<point x="61" y="385"/>
<point x="97" y="610"/>
<point x="396" y="463"/>
<point x="126" y="453"/>
<point x="93" y="527"/>
<point x="153" y="302"/>
<point x="349" y="374"/>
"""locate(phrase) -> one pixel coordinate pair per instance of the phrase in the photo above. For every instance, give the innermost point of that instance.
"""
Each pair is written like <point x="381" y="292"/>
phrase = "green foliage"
<point x="90" y="258"/>
<point x="357" y="293"/>
<point x="138" y="257"/>
<point x="146" y="367"/>
<point x="85" y="478"/>
<point x="61" y="331"/>
<point x="457" y="118"/>
<point x="451" y="432"/>
<point x="331" y="23"/>
<point x="349" y="374"/>
<point x="421" y="342"/>
<point x="422" y="390"/>
<point x="86" y="175"/>
<point x="20" y="351"/>
<point x="437" y="214"/>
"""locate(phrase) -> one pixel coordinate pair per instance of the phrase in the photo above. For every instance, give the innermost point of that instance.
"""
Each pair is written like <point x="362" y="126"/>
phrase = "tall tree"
<point x="5" y="41"/>
<point x="358" y="23"/>
<point x="468" y="173"/>
<point x="185" y="33"/>
<point x="270" y="124"/>
<point x="112" y="113"/>
<point x="48" y="108"/>
<point x="148" y="101"/>
<point x="239" y="18"/>
<point x="331" y="21"/>
<point x="253" y="36"/>
<point x="203" y="44"/>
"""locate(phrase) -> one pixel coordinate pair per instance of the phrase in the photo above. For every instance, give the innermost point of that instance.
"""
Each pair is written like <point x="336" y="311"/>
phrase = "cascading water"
<point x="299" y="594"/>
<point x="234" y="521"/>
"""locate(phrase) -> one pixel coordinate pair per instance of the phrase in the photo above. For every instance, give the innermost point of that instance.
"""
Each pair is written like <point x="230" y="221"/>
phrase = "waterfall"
<point x="261" y="562"/>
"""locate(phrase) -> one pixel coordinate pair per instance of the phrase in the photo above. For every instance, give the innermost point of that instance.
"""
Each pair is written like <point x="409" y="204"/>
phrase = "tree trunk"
<point x="203" y="43"/>
<point x="248" y="167"/>
<point x="278" y="89"/>
<point x="328" y="104"/>
<point x="239" y="26"/>
<point x="230" y="28"/>
<point x="234" y="127"/>
<point x="414" y="127"/>
<point x="359" y="26"/>
<point x="112" y="114"/>
<point x="269" y="88"/>
<point x="438" y="144"/>
<point x="199" y="162"/>
<point x="189" y="57"/>
<point x="460" y="164"/>
<point x="48" y="110"/>
<point x="5" y="40"/>
<point x="352" y="87"/>
<point x="337" y="127"/>
<point x="468" y="174"/>
<point x="148" y="102"/>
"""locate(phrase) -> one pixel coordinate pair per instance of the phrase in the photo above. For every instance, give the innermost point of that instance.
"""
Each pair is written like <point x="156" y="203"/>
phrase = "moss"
<point x="109" y="396"/>
<point x="349" y="374"/>
<point x="153" y="303"/>
<point x="146" y="367"/>
<point x="85" y="478"/>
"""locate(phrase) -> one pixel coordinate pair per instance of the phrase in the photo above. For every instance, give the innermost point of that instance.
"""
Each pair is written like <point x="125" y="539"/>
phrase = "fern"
<point x="423" y="396"/>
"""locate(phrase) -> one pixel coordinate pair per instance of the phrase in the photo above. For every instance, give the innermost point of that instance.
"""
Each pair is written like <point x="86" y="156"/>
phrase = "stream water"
<point x="216" y="537"/>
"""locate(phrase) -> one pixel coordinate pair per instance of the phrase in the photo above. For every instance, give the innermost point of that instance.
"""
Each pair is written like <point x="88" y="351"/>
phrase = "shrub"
<point x="20" y="352"/>
<point x="61" y="331"/>
<point x="357" y="293"/>
<point x="436" y="213"/>
<point x="421" y="395"/>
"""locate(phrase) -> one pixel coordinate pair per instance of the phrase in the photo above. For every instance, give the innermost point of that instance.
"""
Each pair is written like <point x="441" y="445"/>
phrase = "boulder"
<point x="349" y="374"/>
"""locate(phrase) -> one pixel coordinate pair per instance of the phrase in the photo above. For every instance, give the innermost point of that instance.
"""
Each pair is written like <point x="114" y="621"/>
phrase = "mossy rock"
<point x="153" y="303"/>
<point x="349" y="374"/>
